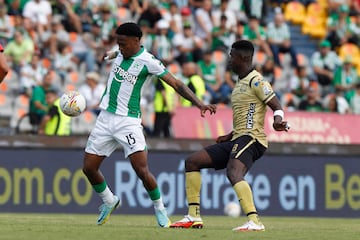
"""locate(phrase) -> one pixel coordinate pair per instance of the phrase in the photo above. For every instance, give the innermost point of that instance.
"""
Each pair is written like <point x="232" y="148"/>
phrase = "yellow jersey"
<point x="249" y="102"/>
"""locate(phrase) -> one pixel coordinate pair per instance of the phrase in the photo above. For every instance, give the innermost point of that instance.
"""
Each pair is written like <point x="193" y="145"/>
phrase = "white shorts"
<point x="111" y="131"/>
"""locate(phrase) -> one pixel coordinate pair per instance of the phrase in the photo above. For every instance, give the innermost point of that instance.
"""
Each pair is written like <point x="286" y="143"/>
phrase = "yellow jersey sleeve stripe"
<point x="266" y="100"/>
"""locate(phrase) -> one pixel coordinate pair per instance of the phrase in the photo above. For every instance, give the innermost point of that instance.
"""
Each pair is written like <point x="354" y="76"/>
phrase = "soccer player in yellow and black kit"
<point x="238" y="150"/>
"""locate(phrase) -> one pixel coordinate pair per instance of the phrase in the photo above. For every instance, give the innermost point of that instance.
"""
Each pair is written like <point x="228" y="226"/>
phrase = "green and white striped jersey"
<point x="127" y="77"/>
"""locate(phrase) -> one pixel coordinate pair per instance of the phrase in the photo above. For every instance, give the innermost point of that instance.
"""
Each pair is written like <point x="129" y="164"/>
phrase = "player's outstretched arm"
<point x="186" y="92"/>
<point x="279" y="123"/>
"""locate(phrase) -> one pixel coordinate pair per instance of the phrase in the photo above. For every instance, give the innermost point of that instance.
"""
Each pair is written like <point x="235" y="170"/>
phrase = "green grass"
<point x="143" y="227"/>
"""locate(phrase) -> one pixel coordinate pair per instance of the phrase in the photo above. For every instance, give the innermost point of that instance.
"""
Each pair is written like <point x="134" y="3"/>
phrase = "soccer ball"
<point x="72" y="103"/>
<point x="232" y="209"/>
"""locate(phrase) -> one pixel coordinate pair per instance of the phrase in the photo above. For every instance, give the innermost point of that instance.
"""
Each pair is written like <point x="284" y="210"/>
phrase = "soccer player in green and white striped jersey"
<point x="119" y="122"/>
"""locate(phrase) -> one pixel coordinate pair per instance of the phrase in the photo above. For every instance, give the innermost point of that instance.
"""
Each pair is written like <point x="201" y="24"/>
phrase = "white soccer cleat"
<point x="250" y="226"/>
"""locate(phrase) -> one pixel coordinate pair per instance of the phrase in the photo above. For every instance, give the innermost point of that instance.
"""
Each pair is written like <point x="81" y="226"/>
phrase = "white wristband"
<point x="279" y="113"/>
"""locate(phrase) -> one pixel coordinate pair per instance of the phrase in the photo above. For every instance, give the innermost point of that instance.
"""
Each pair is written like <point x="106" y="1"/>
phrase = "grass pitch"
<point x="143" y="227"/>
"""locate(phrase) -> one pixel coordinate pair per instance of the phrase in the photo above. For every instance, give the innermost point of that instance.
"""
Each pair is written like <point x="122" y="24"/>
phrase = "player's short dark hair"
<point x="243" y="45"/>
<point x="245" y="50"/>
<point x="130" y="29"/>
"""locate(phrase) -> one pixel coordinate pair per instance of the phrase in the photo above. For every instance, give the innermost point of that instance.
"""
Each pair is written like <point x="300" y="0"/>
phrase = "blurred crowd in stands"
<point x="60" y="45"/>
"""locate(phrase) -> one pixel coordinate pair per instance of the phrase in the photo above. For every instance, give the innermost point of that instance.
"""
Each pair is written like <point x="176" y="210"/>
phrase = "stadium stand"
<point x="349" y="49"/>
<point x="6" y="106"/>
<point x="295" y="12"/>
<point x="314" y="25"/>
<point x="84" y="123"/>
<point x="20" y="121"/>
<point x="307" y="21"/>
<point x="124" y="14"/>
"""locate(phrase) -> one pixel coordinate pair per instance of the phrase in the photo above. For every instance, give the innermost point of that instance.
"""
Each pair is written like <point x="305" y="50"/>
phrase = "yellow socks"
<point x="193" y="186"/>
<point x="244" y="193"/>
<point x="242" y="189"/>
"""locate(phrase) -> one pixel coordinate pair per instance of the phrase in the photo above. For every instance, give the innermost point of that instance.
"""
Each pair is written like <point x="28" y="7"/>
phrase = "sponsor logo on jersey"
<point x="121" y="75"/>
<point x="137" y="66"/>
<point x="266" y="89"/>
<point x="250" y="116"/>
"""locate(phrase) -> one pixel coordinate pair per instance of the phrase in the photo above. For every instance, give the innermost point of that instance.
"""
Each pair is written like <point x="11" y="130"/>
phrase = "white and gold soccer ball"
<point x="72" y="103"/>
<point x="232" y="209"/>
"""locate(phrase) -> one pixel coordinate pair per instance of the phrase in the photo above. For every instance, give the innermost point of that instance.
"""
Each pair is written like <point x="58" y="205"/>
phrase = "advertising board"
<point x="306" y="127"/>
<point x="51" y="180"/>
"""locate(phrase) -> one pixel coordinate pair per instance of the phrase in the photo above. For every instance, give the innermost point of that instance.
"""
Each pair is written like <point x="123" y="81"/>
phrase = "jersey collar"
<point x="242" y="77"/>
<point x="142" y="49"/>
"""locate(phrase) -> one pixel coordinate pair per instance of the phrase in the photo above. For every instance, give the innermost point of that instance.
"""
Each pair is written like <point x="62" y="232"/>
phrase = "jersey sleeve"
<point x="262" y="89"/>
<point x="156" y="67"/>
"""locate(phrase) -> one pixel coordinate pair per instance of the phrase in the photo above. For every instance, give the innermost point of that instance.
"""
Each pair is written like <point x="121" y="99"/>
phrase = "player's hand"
<point x="211" y="108"/>
<point x="110" y="55"/>
<point x="105" y="56"/>
<point x="281" y="126"/>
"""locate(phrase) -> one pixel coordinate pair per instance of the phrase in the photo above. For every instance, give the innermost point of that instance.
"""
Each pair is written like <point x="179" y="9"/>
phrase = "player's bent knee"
<point x="191" y="165"/>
